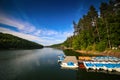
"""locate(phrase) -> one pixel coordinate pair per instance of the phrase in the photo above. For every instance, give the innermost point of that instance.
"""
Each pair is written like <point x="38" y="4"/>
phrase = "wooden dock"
<point x="70" y="59"/>
<point x="70" y="62"/>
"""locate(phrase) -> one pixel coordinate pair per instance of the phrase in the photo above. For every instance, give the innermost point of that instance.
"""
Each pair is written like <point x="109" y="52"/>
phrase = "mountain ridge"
<point x="9" y="41"/>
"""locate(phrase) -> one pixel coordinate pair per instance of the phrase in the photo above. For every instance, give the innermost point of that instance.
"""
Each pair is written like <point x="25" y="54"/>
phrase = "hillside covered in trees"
<point x="97" y="31"/>
<point x="8" y="41"/>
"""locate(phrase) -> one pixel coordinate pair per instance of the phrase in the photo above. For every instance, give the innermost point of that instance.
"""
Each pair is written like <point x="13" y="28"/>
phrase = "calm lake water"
<point x="41" y="64"/>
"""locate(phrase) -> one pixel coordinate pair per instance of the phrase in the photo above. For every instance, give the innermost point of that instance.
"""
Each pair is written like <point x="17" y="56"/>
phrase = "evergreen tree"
<point x="96" y="32"/>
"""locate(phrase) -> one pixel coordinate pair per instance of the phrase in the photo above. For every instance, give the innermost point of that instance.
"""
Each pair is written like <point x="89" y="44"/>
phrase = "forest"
<point x="97" y="31"/>
<point x="8" y="41"/>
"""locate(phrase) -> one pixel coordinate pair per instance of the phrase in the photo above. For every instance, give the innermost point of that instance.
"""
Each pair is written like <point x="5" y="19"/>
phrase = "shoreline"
<point x="104" y="53"/>
<point x="96" y="53"/>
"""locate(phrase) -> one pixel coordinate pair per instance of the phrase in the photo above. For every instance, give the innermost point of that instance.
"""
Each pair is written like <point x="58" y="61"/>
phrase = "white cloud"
<point x="20" y="25"/>
<point x="30" y="32"/>
<point x="50" y="32"/>
<point x="68" y="34"/>
<point x="24" y="26"/>
<point x="44" y="40"/>
<point x="45" y="32"/>
<point x="38" y="32"/>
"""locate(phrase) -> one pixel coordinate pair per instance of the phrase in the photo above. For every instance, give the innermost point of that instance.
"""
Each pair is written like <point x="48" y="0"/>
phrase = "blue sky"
<point x="43" y="21"/>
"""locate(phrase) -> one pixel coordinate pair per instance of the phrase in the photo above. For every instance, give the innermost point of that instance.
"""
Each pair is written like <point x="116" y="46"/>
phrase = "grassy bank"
<point x="115" y="53"/>
<point x="77" y="53"/>
<point x="107" y="52"/>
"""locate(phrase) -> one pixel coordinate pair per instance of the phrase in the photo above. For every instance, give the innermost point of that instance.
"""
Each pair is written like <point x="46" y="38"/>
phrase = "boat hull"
<point x="64" y="65"/>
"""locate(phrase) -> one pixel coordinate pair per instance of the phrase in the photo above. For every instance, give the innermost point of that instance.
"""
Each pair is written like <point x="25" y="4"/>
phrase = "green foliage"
<point x="89" y="48"/>
<point x="8" y="41"/>
<point x="68" y="42"/>
<point x="101" y="46"/>
<point x="76" y="43"/>
<point x="98" y="33"/>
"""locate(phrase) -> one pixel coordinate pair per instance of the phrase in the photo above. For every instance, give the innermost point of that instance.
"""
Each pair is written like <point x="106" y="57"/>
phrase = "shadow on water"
<point x="83" y="75"/>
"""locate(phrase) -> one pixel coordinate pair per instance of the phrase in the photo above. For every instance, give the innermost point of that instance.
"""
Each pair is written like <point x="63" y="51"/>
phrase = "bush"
<point x="89" y="48"/>
<point x="101" y="46"/>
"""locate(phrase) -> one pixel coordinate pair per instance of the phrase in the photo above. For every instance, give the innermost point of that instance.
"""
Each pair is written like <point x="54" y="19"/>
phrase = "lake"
<point x="41" y="64"/>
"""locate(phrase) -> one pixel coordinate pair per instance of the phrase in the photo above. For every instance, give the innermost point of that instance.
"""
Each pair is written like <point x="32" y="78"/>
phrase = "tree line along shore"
<point x="8" y="41"/>
<point x="97" y="33"/>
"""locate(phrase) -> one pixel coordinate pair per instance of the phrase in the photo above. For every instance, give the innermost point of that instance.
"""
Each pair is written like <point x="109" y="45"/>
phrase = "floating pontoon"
<point x="69" y="62"/>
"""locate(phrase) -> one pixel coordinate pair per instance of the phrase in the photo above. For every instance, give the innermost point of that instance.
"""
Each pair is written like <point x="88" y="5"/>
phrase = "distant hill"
<point x="59" y="46"/>
<point x="8" y="41"/>
<point x="55" y="45"/>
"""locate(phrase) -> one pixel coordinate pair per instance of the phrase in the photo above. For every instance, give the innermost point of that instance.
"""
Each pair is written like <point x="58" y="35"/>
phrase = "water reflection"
<point x="16" y="62"/>
<point x="41" y="64"/>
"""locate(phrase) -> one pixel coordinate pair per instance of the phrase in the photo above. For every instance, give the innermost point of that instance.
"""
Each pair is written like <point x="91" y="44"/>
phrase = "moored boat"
<point x="61" y="58"/>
